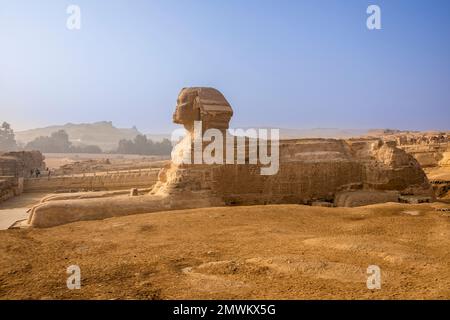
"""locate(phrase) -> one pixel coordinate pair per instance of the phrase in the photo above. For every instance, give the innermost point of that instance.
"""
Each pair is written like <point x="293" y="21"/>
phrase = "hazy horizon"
<point x="172" y="126"/>
<point x="289" y="64"/>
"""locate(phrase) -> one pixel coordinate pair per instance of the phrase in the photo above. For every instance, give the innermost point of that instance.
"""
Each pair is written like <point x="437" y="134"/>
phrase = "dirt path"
<point x="24" y="200"/>
<point x="267" y="252"/>
<point x="15" y="208"/>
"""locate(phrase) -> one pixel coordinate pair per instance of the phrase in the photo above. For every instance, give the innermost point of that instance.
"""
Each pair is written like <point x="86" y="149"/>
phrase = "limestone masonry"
<point x="14" y="167"/>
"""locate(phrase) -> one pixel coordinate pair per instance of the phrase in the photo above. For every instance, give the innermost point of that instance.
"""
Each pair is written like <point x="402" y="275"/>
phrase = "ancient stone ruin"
<point x="20" y="163"/>
<point x="432" y="151"/>
<point x="14" y="167"/>
<point x="311" y="171"/>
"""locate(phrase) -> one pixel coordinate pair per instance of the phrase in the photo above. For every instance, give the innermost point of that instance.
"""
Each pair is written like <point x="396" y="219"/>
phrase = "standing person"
<point x="38" y="172"/>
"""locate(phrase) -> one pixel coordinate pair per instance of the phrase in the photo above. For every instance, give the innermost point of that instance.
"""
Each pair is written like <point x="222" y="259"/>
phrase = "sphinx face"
<point x="202" y="104"/>
<point x="184" y="112"/>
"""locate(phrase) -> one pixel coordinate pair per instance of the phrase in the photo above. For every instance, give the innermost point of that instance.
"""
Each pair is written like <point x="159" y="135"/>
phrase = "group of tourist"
<point x="36" y="173"/>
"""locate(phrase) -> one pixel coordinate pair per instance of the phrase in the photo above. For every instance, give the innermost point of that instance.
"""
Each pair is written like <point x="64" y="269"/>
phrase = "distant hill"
<point x="106" y="136"/>
<point x="102" y="134"/>
<point x="286" y="133"/>
<point x="387" y="132"/>
<point x="325" y="133"/>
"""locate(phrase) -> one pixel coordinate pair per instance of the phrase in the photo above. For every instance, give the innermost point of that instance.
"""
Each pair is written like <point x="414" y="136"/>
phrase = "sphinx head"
<point x="207" y="105"/>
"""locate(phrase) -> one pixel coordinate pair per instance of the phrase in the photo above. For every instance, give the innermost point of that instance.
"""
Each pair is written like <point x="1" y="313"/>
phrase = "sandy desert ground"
<point x="259" y="252"/>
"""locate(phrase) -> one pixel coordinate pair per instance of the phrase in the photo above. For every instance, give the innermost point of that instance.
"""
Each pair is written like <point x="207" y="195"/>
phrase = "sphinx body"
<point x="339" y="171"/>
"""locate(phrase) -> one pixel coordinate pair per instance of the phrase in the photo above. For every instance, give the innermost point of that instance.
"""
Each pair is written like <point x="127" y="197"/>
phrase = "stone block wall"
<point x="10" y="187"/>
<point x="112" y="181"/>
<point x="20" y="163"/>
<point x="14" y="166"/>
<point x="294" y="183"/>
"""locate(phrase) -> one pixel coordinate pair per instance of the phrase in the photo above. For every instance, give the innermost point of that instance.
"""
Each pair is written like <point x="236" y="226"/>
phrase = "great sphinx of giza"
<point x="310" y="170"/>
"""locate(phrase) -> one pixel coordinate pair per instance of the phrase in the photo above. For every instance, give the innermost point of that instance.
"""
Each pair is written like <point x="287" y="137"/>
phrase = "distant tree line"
<point x="7" y="138"/>
<point x="58" y="142"/>
<point x="143" y="146"/>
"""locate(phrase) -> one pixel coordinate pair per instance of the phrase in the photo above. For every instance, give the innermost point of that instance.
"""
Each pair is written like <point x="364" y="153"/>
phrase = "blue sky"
<point x="290" y="64"/>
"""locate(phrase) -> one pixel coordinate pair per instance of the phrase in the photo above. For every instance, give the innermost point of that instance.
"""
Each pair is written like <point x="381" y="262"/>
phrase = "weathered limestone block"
<point x="445" y="160"/>
<point x="7" y="186"/>
<point x="20" y="163"/>
<point x="13" y="167"/>
<point x="9" y="166"/>
<point x="414" y="199"/>
<point x="53" y="213"/>
<point x="59" y="212"/>
<point x="396" y="170"/>
<point x="427" y="147"/>
<point x="364" y="197"/>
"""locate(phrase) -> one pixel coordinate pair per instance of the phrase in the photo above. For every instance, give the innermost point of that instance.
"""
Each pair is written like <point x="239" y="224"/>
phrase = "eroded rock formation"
<point x="432" y="151"/>
<point x="310" y="170"/>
